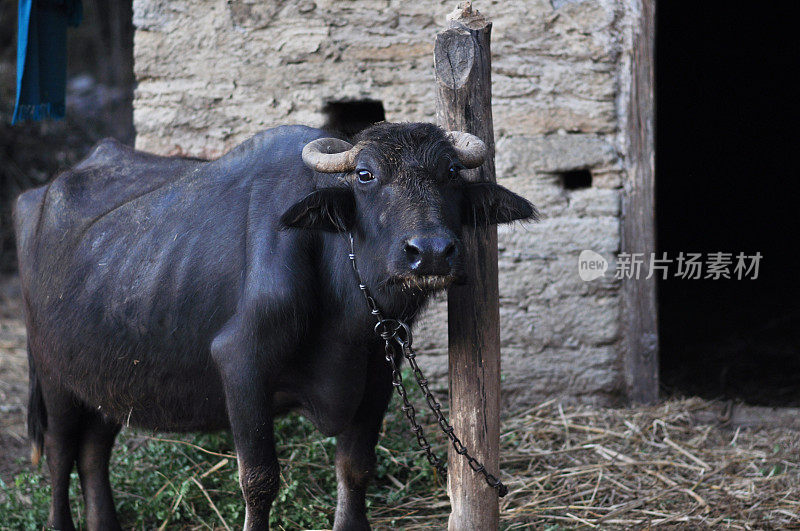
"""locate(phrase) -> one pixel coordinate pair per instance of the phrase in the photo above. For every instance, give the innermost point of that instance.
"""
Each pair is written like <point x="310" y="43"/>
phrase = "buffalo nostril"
<point x="430" y="255"/>
<point x="413" y="253"/>
<point x="450" y="250"/>
<point x="412" y="250"/>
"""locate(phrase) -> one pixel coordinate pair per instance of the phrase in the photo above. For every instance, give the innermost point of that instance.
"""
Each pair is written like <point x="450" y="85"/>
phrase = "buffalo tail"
<point x="37" y="414"/>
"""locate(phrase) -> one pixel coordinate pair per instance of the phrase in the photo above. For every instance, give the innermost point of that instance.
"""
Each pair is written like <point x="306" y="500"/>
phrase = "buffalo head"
<point x="401" y="192"/>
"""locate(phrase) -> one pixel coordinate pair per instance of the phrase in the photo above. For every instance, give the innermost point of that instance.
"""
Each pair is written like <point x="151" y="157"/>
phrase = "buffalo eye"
<point x="453" y="171"/>
<point x="365" y="176"/>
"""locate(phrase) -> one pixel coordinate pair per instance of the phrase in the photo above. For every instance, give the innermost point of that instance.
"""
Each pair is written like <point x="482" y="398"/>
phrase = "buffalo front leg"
<point x="355" y="453"/>
<point x="259" y="472"/>
<point x="249" y="412"/>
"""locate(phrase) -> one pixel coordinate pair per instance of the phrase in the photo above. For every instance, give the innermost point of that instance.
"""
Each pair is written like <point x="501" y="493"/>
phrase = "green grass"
<point x="159" y="482"/>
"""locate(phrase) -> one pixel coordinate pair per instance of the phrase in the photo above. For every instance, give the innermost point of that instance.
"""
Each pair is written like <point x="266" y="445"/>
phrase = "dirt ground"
<point x="13" y="380"/>
<point x="680" y="463"/>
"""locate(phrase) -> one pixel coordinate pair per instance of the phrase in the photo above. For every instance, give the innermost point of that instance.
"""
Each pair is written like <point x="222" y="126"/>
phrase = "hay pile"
<point x="569" y="467"/>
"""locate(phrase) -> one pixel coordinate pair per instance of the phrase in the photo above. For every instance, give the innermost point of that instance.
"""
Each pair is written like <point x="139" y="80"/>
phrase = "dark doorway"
<point x="728" y="181"/>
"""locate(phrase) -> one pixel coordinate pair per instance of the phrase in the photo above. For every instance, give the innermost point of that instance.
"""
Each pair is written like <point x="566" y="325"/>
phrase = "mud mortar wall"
<point x="212" y="72"/>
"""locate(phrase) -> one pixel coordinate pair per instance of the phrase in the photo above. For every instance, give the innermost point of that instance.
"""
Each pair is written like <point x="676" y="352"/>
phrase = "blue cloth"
<point x="42" y="57"/>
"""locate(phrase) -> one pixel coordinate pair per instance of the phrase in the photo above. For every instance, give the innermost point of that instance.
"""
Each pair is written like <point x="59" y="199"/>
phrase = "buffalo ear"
<point x="489" y="203"/>
<point x="330" y="209"/>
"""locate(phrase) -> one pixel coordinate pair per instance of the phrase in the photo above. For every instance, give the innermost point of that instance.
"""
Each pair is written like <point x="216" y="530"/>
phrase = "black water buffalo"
<point x="183" y="295"/>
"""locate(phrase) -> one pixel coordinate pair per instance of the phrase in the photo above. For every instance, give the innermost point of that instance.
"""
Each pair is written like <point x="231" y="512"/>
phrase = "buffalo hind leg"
<point x="96" y="442"/>
<point x="61" y="444"/>
<point x="355" y="453"/>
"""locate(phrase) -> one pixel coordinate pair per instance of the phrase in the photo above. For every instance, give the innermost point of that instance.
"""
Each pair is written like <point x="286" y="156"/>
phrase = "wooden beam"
<point x="462" y="60"/>
<point x="640" y="331"/>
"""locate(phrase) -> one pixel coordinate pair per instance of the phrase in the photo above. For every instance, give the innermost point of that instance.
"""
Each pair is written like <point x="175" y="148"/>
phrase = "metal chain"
<point x="397" y="333"/>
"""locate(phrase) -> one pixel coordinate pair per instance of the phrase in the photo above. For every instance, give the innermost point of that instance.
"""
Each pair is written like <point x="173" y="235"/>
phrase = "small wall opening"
<point x="351" y="117"/>
<point x="576" y="179"/>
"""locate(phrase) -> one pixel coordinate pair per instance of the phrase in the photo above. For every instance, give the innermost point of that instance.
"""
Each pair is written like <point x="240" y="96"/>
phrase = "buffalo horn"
<point x="330" y="155"/>
<point x="470" y="149"/>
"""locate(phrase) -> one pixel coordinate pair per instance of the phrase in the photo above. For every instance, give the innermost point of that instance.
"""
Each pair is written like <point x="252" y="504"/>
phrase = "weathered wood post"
<point x="462" y="60"/>
<point x="640" y="316"/>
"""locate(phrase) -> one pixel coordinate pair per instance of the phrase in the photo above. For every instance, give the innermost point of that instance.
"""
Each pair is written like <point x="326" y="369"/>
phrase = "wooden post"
<point x="462" y="60"/>
<point x="640" y="325"/>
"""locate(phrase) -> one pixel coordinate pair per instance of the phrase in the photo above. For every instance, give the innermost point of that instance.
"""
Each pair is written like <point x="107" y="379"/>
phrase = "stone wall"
<point x="213" y="72"/>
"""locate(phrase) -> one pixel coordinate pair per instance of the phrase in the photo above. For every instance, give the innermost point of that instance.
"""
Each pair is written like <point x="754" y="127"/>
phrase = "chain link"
<point x="396" y="333"/>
